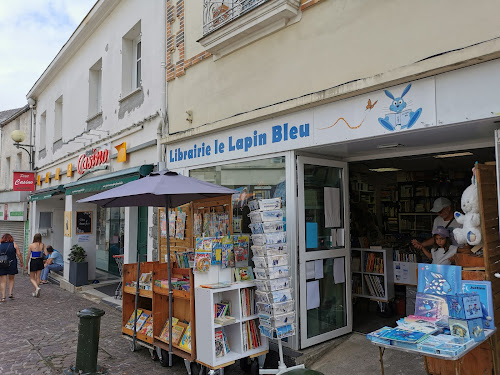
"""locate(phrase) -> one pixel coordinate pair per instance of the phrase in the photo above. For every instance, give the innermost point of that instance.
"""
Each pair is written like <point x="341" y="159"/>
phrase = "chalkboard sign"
<point x="83" y="222"/>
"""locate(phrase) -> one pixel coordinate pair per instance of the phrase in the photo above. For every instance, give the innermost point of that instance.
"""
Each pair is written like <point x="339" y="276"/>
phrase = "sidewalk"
<point x="39" y="336"/>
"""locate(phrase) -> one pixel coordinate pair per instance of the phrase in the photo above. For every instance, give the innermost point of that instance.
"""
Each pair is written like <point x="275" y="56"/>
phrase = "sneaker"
<point x="37" y="292"/>
<point x="33" y="294"/>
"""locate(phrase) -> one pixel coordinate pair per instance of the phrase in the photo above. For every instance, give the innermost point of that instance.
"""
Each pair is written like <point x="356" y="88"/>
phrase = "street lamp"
<point x="19" y="136"/>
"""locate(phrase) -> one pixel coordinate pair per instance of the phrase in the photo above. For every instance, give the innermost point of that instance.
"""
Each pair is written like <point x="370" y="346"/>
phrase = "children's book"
<point x="130" y="323"/>
<point x="420" y="326"/>
<point x="146" y="325"/>
<point x="439" y="279"/>
<point x="185" y="342"/>
<point x="243" y="273"/>
<point x="216" y="251"/>
<point x="222" y="284"/>
<point x="171" y="223"/>
<point x="227" y="252"/>
<point x="180" y="225"/>
<point x="220" y="309"/>
<point x="431" y="306"/>
<point x="404" y="335"/>
<point x="219" y="344"/>
<point x="164" y="335"/>
<point x="483" y="288"/>
<point x="177" y="332"/>
<point x="197" y="225"/>
<point x="203" y="254"/>
<point x="141" y="320"/>
<point x="241" y="243"/>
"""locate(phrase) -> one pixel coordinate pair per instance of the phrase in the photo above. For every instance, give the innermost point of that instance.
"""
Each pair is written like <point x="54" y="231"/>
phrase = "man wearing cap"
<point x="442" y="206"/>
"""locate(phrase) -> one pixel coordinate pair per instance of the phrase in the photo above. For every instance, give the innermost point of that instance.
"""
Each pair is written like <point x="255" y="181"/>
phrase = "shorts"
<point x="36" y="264"/>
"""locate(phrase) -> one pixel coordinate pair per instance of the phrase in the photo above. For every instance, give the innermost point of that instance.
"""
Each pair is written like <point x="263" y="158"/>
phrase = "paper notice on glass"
<point x="310" y="270"/>
<point x="312" y="294"/>
<point x="318" y="269"/>
<point x="340" y="237"/>
<point x="332" y="207"/>
<point x="334" y="237"/>
<point x="338" y="270"/>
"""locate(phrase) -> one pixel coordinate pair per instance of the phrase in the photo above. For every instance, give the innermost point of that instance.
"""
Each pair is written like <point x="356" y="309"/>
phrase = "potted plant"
<point x="78" y="267"/>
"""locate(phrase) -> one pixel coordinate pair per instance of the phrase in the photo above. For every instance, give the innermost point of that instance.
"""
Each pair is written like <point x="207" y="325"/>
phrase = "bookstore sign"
<point x="24" y="181"/>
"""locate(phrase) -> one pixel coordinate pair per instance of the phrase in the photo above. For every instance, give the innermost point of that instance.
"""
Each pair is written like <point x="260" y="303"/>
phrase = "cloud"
<point x="33" y="32"/>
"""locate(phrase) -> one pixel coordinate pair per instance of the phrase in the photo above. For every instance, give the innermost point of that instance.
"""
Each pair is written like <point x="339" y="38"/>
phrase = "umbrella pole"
<point x="136" y="297"/>
<point x="170" y="291"/>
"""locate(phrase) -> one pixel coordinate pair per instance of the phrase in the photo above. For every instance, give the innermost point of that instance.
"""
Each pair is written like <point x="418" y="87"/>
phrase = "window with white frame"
<point x="42" y="131"/>
<point x="132" y="60"/>
<point x="58" y="119"/>
<point x="95" y="87"/>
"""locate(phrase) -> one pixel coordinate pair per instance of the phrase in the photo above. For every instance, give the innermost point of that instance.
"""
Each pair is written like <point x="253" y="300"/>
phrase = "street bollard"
<point x="88" y="341"/>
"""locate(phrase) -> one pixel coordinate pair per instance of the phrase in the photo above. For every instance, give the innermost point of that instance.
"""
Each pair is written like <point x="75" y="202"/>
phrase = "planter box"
<point x="78" y="273"/>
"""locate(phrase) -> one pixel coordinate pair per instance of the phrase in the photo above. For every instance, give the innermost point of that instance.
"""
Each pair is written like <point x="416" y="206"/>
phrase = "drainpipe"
<point x="163" y="76"/>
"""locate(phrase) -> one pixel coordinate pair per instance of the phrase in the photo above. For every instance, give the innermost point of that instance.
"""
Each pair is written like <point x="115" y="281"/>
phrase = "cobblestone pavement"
<point x="39" y="336"/>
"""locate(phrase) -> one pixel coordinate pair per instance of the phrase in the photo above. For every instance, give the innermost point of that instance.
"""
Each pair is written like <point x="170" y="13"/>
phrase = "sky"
<point x="33" y="32"/>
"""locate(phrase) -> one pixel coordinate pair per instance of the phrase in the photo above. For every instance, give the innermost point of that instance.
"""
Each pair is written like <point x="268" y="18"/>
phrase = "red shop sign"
<point x="24" y="181"/>
<point x="88" y="162"/>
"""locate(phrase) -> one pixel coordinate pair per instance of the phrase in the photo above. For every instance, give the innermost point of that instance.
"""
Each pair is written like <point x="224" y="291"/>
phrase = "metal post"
<point x="88" y="342"/>
<point x="170" y="291"/>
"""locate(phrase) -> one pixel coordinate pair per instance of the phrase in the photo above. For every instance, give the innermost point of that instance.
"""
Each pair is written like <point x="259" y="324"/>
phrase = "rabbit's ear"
<point x="406" y="90"/>
<point x="388" y="93"/>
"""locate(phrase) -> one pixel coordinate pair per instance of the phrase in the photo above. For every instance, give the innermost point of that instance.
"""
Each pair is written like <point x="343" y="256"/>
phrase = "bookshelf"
<point x="144" y="301"/>
<point x="205" y="300"/>
<point x="372" y="274"/>
<point x="154" y="302"/>
<point x="416" y="222"/>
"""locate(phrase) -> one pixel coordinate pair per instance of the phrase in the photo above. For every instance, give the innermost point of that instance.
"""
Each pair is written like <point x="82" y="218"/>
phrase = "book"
<point x="223" y="284"/>
<point x="130" y="323"/>
<point x="243" y="273"/>
<point x="177" y="332"/>
<point x="439" y="279"/>
<point x="431" y="306"/>
<point x="483" y="289"/>
<point x="185" y="342"/>
<point x="164" y="334"/>
<point x="220" y="309"/>
<point x="219" y="344"/>
<point x="225" y="320"/>
<point x="141" y="320"/>
<point x="146" y="326"/>
<point x="403" y="335"/>
<point x="419" y="325"/>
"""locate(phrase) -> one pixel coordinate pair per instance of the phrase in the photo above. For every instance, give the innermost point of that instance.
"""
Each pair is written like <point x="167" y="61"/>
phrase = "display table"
<point x="456" y="359"/>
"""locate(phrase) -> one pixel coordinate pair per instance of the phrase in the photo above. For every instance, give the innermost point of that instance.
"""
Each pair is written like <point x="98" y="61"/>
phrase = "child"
<point x="443" y="250"/>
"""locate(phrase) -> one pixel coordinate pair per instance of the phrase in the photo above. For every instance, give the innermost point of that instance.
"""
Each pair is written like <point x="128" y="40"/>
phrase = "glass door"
<point x="324" y="250"/>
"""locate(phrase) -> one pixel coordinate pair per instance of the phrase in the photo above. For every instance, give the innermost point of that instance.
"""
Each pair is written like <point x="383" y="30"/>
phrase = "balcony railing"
<point x="217" y="13"/>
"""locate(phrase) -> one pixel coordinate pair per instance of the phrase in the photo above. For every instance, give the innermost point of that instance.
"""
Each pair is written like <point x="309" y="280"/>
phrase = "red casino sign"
<point x="24" y="181"/>
<point x="97" y="157"/>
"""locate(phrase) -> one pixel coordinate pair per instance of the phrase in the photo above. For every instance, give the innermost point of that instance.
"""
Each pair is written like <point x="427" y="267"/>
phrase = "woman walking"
<point x="9" y="248"/>
<point x="36" y="252"/>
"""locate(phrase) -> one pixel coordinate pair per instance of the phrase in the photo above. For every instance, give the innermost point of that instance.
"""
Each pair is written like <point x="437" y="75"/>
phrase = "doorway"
<point x="324" y="252"/>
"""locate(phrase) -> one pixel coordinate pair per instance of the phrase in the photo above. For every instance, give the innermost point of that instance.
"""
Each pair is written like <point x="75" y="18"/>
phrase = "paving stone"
<point x="41" y="336"/>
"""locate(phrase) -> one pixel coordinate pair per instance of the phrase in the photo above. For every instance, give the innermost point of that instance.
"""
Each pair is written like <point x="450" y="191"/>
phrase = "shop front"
<point x="315" y="159"/>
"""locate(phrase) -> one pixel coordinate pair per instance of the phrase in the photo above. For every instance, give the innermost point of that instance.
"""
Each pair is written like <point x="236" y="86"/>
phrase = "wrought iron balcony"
<point x="217" y="13"/>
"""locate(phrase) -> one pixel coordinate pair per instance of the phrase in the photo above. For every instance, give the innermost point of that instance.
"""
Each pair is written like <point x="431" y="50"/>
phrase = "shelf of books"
<point x="144" y="325"/>
<point x="228" y="324"/>
<point x="372" y="274"/>
<point x="183" y="323"/>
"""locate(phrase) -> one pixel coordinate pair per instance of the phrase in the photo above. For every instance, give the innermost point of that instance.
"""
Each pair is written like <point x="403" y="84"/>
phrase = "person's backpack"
<point x="4" y="259"/>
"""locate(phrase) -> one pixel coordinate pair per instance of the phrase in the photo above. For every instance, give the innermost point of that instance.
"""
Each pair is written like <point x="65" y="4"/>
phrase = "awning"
<point x="46" y="193"/>
<point x="108" y="181"/>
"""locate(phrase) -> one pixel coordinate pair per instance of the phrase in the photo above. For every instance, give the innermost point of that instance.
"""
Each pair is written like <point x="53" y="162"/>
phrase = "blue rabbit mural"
<point x="401" y="117"/>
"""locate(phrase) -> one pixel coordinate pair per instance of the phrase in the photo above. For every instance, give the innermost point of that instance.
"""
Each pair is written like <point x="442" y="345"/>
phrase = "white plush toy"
<point x="471" y="230"/>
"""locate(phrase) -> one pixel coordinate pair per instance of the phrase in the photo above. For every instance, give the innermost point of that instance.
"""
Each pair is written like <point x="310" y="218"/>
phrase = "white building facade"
<point x="100" y="107"/>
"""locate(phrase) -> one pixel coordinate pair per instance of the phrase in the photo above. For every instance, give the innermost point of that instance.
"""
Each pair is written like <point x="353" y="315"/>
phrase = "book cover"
<point x="177" y="332"/>
<point x="226" y="344"/>
<point x="203" y="255"/>
<point x="220" y="309"/>
<point x="240" y="243"/>
<point x="483" y="289"/>
<point x="146" y="325"/>
<point x="185" y="342"/>
<point x="439" y="279"/>
<point x="243" y="273"/>
<point x="222" y="284"/>
<point x="398" y="334"/>
<point x="431" y="306"/>
<point x="219" y="344"/>
<point x="420" y="326"/>
<point x="164" y="335"/>
<point x="228" y="303"/>
<point x="141" y="320"/>
<point x="227" y="252"/>
<point x="130" y="323"/>
<point x="216" y="251"/>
